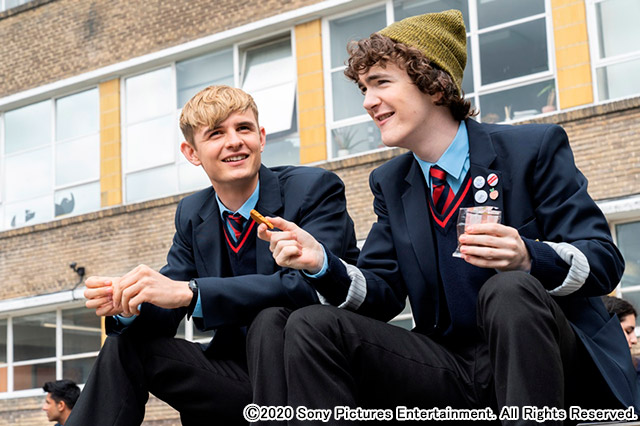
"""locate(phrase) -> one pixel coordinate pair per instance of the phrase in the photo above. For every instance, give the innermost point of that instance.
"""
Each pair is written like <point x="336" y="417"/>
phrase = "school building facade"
<point x="91" y="173"/>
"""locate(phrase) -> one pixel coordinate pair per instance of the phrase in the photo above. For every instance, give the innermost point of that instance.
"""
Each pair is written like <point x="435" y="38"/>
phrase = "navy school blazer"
<point x="311" y="197"/>
<point x="542" y="194"/>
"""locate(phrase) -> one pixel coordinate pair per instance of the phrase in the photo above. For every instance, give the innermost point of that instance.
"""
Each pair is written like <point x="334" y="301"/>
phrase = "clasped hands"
<point x="487" y="245"/>
<point x="123" y="295"/>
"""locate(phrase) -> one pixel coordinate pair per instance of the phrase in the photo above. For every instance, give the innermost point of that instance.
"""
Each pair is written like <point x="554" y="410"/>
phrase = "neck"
<point x="235" y="194"/>
<point x="439" y="137"/>
<point x="63" y="417"/>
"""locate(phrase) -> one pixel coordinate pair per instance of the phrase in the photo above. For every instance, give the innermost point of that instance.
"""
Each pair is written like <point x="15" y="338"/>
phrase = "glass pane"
<point x="357" y="138"/>
<point x="519" y="103"/>
<point x="514" y="51"/>
<point x="27" y="127"/>
<point x="614" y="81"/>
<point x="29" y="175"/>
<point x="77" y="115"/>
<point x="153" y="183"/>
<point x="3" y="344"/>
<point x="629" y="244"/>
<point x="77" y="369"/>
<point x="195" y="74"/>
<point x="78" y="200"/>
<point x="149" y="95"/>
<point x="192" y="178"/>
<point x="81" y="331"/>
<point x="405" y="8"/>
<point x="269" y="76"/>
<point x="467" y="78"/>
<point x="282" y="151"/>
<point x="34" y="336"/>
<point x="353" y="27"/>
<point x="156" y="137"/>
<point x="493" y="12"/>
<point x="347" y="98"/>
<point x="30" y="212"/>
<point x="618" y="28"/>
<point x="78" y="160"/>
<point x="33" y="376"/>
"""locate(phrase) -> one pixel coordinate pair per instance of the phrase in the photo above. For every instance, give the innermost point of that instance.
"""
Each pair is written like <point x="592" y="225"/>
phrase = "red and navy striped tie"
<point x="441" y="191"/>
<point x="236" y="222"/>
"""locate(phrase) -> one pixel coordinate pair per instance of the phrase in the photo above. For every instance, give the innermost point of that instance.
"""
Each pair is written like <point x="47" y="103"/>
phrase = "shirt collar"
<point x="454" y="158"/>
<point x="246" y="208"/>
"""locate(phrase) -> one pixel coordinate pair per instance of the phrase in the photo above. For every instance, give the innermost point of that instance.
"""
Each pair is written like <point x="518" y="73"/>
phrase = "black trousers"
<point x="205" y="390"/>
<point x="524" y="354"/>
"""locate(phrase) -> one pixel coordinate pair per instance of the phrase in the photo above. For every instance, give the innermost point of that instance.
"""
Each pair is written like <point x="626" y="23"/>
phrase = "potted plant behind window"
<point x="550" y="90"/>
<point x="344" y="137"/>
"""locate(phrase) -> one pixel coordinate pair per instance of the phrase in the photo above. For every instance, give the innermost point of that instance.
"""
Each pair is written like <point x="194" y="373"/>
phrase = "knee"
<point x="311" y="322"/>
<point x="268" y="321"/>
<point x="509" y="295"/>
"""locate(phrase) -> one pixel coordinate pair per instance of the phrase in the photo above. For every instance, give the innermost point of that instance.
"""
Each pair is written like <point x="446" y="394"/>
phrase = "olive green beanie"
<point x="440" y="36"/>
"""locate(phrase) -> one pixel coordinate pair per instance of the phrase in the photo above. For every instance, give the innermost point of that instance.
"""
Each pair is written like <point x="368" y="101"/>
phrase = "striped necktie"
<point x="441" y="191"/>
<point x="236" y="222"/>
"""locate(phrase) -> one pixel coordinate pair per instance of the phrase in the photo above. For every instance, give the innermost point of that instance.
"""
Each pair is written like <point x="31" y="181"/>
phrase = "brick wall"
<point x="63" y="38"/>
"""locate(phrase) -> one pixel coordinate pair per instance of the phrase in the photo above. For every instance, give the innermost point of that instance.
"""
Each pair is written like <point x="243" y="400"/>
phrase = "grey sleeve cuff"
<point x="578" y="268"/>
<point x="357" y="290"/>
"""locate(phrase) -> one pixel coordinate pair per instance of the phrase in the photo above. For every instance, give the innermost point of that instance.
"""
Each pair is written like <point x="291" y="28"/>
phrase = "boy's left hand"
<point x="493" y="245"/>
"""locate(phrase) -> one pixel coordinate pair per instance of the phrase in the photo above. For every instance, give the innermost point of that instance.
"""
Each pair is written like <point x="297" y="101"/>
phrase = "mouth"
<point x="235" y="158"/>
<point x="382" y="117"/>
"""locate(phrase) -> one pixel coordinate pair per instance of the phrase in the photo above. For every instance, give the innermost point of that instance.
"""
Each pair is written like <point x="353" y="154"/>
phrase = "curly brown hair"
<point x="430" y="79"/>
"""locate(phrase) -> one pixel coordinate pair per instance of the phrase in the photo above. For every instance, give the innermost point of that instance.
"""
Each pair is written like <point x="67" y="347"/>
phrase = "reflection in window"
<point x="195" y="74"/>
<point x="629" y="244"/>
<point x="494" y="12"/>
<point x="356" y="138"/>
<point x="34" y="336"/>
<point x="406" y="8"/>
<point x="514" y="51"/>
<point x="519" y="103"/>
<point x="269" y="76"/>
<point x="618" y="53"/>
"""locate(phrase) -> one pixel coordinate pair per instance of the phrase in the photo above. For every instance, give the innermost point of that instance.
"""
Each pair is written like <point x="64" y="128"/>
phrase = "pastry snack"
<point x="260" y="219"/>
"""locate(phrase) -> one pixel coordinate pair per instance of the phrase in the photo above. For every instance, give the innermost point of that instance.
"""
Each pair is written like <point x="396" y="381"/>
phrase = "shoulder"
<point x="303" y="176"/>
<point x="394" y="169"/>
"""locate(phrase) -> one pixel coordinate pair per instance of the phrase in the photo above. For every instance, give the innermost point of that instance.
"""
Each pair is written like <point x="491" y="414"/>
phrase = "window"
<point x="152" y="162"/>
<point x="628" y="243"/>
<point x="46" y="346"/>
<point x="51" y="165"/>
<point x="269" y="76"/>
<point x="509" y="73"/>
<point x="10" y="4"/>
<point x="615" y="51"/>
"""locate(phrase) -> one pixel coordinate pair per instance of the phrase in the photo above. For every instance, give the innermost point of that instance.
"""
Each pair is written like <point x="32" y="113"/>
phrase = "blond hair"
<point x="211" y="106"/>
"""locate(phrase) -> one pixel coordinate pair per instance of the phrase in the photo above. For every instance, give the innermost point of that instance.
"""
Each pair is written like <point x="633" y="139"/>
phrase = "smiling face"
<point x="230" y="152"/>
<point x="405" y="116"/>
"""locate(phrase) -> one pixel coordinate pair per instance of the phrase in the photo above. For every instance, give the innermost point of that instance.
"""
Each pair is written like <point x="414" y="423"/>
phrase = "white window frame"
<point x="52" y="144"/>
<point x="473" y="34"/>
<point x="594" y="51"/>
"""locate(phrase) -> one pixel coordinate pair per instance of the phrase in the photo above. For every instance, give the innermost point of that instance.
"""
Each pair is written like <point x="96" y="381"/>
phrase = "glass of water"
<point x="474" y="215"/>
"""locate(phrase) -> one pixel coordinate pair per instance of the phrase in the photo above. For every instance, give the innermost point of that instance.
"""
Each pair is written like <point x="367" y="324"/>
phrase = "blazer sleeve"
<point x="567" y="214"/>
<point x="385" y="290"/>
<point x="320" y="209"/>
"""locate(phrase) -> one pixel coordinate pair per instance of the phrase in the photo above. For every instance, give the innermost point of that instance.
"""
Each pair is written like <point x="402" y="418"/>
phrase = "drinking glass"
<point x="474" y="215"/>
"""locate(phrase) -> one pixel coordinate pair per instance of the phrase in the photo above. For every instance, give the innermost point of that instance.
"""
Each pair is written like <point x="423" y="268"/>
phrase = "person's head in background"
<point x="61" y="397"/>
<point x="626" y="314"/>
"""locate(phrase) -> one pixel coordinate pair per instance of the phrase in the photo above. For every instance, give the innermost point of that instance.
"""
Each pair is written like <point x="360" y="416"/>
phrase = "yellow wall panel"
<point x="110" y="144"/>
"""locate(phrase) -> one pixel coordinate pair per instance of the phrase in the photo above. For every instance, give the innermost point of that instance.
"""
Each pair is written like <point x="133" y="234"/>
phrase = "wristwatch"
<point x="193" y="286"/>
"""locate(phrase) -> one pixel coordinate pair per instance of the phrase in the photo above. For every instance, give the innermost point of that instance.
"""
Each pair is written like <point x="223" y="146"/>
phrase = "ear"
<point x="263" y="138"/>
<point x="436" y="97"/>
<point x="190" y="153"/>
<point x="61" y="406"/>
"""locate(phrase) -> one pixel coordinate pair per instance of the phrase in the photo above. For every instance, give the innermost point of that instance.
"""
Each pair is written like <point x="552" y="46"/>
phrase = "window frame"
<point x="473" y="36"/>
<point x="52" y="144"/>
<point x="594" y="52"/>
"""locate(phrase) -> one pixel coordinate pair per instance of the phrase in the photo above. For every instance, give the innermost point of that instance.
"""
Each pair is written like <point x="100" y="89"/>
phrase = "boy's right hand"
<point x="99" y="295"/>
<point x="293" y="247"/>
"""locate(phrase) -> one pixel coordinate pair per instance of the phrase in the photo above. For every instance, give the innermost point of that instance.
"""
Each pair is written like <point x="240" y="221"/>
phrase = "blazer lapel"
<point x="416" y="213"/>
<point x="269" y="204"/>
<point x="482" y="156"/>
<point x="207" y="248"/>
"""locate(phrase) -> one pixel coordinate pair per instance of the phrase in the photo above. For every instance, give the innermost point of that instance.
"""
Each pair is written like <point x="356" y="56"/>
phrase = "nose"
<point x="371" y="101"/>
<point x="234" y="140"/>
<point x="633" y="339"/>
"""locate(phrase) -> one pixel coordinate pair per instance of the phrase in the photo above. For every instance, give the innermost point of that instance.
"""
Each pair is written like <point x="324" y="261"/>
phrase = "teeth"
<point x="384" y="116"/>
<point x="236" y="158"/>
